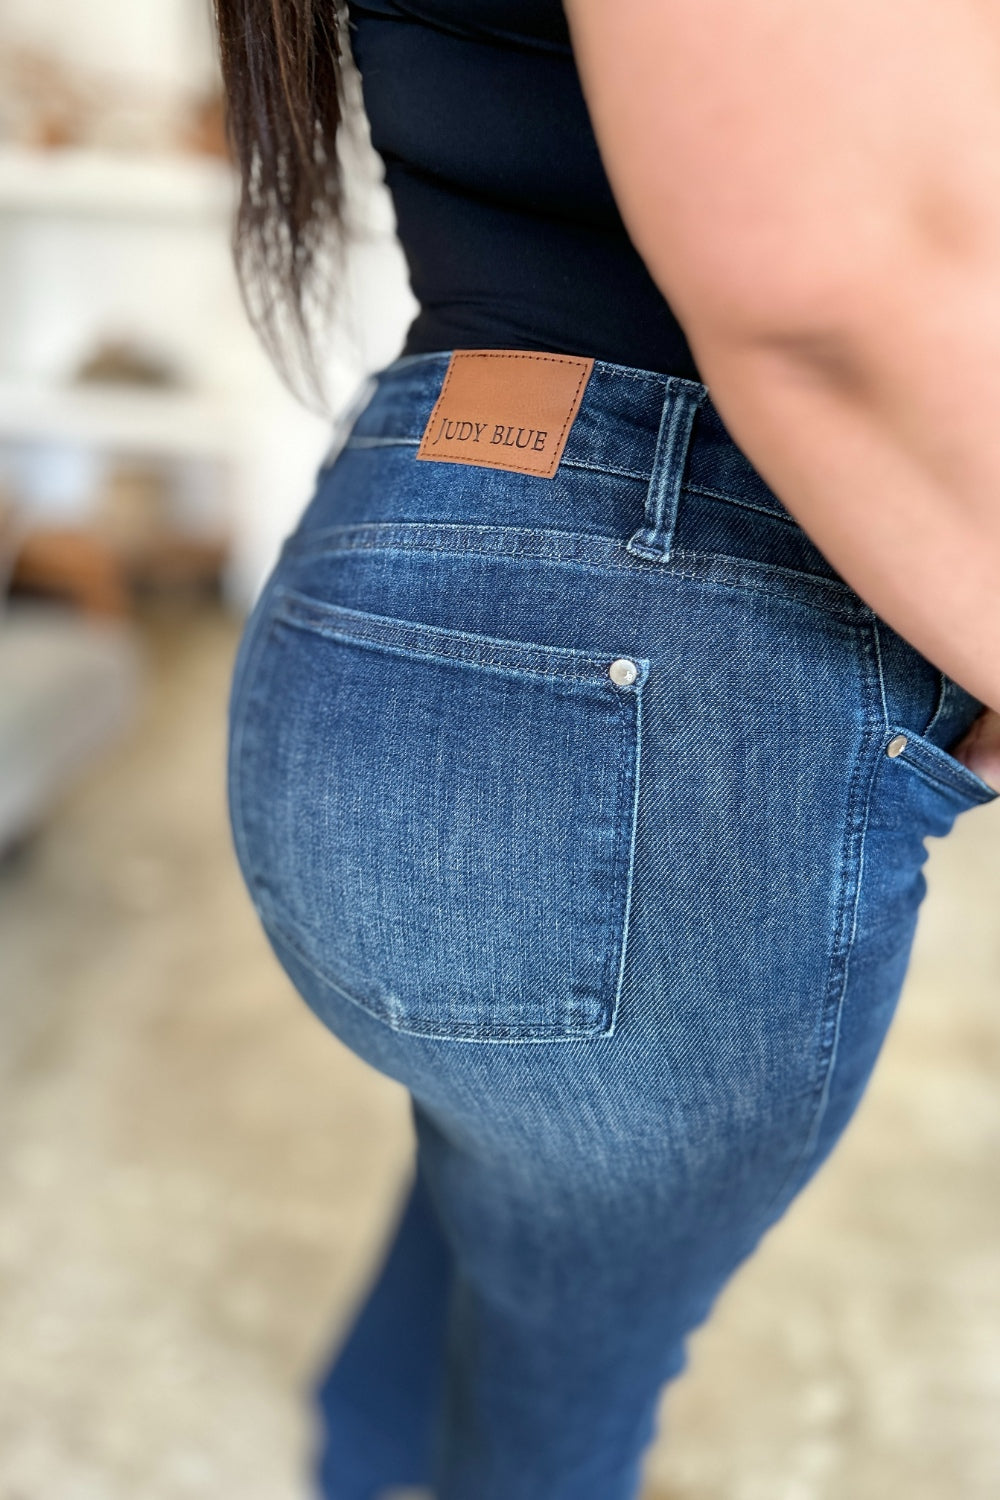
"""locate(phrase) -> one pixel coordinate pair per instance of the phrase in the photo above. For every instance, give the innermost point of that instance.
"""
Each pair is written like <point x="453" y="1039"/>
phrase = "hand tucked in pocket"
<point x="980" y="748"/>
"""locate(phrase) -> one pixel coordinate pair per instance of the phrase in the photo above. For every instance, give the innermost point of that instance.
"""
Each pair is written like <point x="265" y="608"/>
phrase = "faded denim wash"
<point x="631" y="940"/>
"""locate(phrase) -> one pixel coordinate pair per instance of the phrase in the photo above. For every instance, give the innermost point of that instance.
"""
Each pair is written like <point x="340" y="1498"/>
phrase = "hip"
<point x="506" y="748"/>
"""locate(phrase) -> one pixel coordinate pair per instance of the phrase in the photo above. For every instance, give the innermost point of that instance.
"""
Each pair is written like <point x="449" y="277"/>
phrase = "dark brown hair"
<point x="287" y="85"/>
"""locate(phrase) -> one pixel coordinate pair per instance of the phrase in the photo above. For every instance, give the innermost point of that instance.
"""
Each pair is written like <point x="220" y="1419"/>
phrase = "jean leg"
<point x="378" y="1398"/>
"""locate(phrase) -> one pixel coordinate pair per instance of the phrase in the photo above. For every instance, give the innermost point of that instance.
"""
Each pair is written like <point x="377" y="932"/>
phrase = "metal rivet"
<point x="623" y="671"/>
<point x="897" y="746"/>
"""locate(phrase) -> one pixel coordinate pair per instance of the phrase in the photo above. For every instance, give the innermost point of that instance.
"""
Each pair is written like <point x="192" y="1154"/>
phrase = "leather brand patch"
<point x="506" y="409"/>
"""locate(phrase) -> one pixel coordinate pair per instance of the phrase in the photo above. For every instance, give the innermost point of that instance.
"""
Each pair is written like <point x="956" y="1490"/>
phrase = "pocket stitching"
<point x="936" y="765"/>
<point x="608" y="988"/>
<point x="941" y="775"/>
<point x="273" y="914"/>
<point x="299" y="612"/>
<point x="831" y="597"/>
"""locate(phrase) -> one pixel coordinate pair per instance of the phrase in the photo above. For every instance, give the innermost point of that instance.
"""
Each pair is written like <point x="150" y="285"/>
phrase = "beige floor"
<point x="194" y="1175"/>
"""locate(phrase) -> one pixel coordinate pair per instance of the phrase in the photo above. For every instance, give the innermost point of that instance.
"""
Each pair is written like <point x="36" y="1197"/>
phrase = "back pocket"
<point x="441" y="824"/>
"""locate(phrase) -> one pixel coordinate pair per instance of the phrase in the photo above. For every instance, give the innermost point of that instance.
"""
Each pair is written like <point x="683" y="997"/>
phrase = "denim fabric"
<point x="631" y="939"/>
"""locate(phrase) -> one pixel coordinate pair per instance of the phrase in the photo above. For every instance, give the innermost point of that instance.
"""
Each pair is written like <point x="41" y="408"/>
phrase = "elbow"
<point x="844" y="305"/>
<point x="817" y="312"/>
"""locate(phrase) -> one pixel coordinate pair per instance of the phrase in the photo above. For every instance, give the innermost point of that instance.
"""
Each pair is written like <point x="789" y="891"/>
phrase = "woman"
<point x="585" y="737"/>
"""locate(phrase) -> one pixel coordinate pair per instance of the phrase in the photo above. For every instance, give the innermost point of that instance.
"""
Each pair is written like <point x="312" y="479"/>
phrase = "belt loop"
<point x="681" y="400"/>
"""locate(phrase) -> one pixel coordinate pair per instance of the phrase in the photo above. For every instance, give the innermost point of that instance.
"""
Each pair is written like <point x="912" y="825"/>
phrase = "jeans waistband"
<point x="698" y="492"/>
<point x="633" y="422"/>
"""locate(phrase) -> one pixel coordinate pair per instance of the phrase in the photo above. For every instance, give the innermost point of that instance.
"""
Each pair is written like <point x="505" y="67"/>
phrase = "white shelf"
<point x="83" y="182"/>
<point x="165" y="422"/>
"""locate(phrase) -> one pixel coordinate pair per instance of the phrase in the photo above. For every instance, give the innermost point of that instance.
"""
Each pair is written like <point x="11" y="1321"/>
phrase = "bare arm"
<point x="816" y="189"/>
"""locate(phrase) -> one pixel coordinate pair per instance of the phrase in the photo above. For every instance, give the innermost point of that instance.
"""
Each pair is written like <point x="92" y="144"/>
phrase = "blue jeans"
<point x="592" y="809"/>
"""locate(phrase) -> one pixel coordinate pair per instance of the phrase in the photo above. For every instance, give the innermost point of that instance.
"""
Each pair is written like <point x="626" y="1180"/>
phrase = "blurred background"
<point x="195" y="1177"/>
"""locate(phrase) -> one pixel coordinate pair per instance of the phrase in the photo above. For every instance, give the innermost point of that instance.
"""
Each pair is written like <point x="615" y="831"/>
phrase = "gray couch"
<point x="68" y="687"/>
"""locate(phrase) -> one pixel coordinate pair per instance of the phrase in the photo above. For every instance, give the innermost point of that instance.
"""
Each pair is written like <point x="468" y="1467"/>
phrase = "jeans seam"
<point x="272" y="915"/>
<point x="365" y="441"/>
<point x="828" y="596"/>
<point x="943" y="781"/>
<point x="240" y="712"/>
<point x="940" y="706"/>
<point x="386" y="636"/>
<point x="630" y="850"/>
<point x="841" y="964"/>
<point x="758" y="510"/>
<point x="851" y="872"/>
<point x="880" y="669"/>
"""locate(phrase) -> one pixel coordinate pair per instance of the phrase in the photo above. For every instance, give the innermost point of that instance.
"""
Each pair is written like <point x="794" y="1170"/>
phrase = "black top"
<point x="505" y="214"/>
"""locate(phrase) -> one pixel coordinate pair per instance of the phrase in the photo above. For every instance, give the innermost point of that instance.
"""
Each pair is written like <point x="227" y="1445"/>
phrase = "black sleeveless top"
<point x="505" y="214"/>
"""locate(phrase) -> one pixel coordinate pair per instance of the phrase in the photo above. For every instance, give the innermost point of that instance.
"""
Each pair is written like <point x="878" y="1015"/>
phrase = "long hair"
<point x="285" y="70"/>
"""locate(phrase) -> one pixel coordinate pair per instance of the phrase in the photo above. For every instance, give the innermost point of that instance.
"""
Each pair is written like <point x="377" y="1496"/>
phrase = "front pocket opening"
<point x="937" y="766"/>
